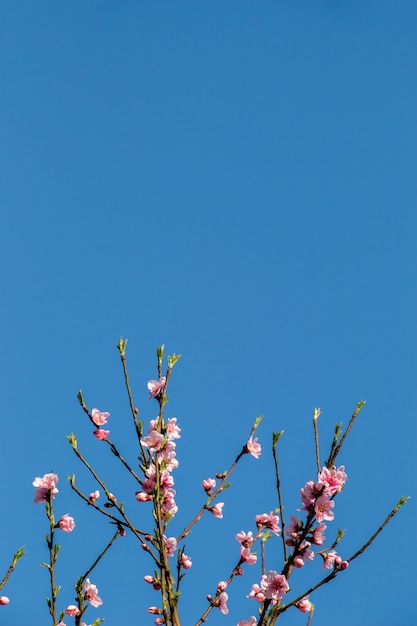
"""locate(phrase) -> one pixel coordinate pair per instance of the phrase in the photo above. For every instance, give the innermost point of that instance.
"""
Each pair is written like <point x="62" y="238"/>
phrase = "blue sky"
<point x="235" y="180"/>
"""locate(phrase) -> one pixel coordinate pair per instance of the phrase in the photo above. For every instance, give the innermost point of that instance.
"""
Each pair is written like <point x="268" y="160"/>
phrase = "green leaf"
<point x="337" y="431"/>
<point x="257" y="421"/>
<point x="359" y="406"/>
<point x="173" y="359"/>
<point x="276" y="437"/>
<point x="72" y="440"/>
<point x="18" y="554"/>
<point x="121" y="346"/>
<point x="403" y="500"/>
<point x="80" y="398"/>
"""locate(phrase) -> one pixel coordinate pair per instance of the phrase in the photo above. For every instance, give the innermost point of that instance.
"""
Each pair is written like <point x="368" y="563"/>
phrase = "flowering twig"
<point x="80" y="581"/>
<point x="53" y="555"/>
<point x="222" y="485"/>
<point x="73" y="442"/>
<point x="275" y="438"/>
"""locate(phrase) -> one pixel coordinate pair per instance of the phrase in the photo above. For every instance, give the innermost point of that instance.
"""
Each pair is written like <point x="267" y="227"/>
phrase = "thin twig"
<point x="316" y="437"/>
<point x="338" y="447"/>
<point x="394" y="511"/>
<point x="275" y="439"/>
<point x="18" y="554"/>
<point x="100" y="556"/>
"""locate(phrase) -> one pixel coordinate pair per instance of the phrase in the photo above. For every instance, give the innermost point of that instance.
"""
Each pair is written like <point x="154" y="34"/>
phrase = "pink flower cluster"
<point x="99" y="420"/>
<point x="317" y="499"/>
<point x="273" y="587"/>
<point x="246" y="541"/>
<point x="160" y="441"/>
<point x="268" y="521"/>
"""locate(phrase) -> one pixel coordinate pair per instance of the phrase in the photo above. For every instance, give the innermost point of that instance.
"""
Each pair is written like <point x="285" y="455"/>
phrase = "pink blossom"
<point x="304" y="605"/>
<point x="305" y="554"/>
<point x="246" y="555"/>
<point x="333" y="479"/>
<point x="99" y="418"/>
<point x="217" y="509"/>
<point x="253" y="447"/>
<point x="257" y="593"/>
<point x="223" y="598"/>
<point x="159" y="621"/>
<point x="309" y="494"/>
<point x="148" y="485"/>
<point x="4" y="600"/>
<point x="172" y="430"/>
<point x="293" y="530"/>
<point x="66" y="523"/>
<point x="94" y="496"/>
<point x="252" y="621"/>
<point x="322" y="509"/>
<point x="101" y="434"/>
<point x="208" y="484"/>
<point x="171" y="545"/>
<point x="168" y="506"/>
<point x="43" y="486"/>
<point x="186" y="561"/>
<point x="155" y="387"/>
<point x="154" y="440"/>
<point x="268" y="521"/>
<point x="167" y="480"/>
<point x="72" y="610"/>
<point x="91" y="594"/>
<point x="274" y="585"/>
<point x="246" y="539"/>
<point x="329" y="559"/>
<point x="221" y="585"/>
<point x="318" y="537"/>
<point x="169" y="458"/>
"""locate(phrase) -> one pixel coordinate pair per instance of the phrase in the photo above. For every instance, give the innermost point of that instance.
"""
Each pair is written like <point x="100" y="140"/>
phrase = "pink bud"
<point x="141" y="496"/>
<point x="72" y="610"/>
<point x="4" y="600"/>
<point x="101" y="434"/>
<point x="66" y="523"/>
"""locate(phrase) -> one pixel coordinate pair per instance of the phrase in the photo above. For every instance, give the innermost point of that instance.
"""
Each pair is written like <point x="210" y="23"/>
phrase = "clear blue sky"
<point x="235" y="180"/>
